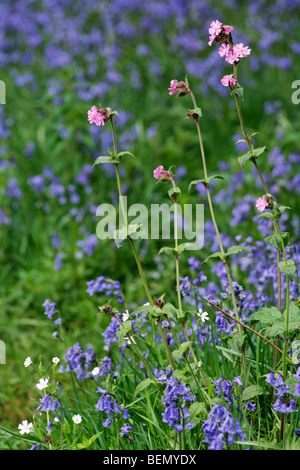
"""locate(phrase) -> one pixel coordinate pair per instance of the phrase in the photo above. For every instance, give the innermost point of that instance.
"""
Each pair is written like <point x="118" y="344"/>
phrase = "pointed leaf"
<point x="268" y="315"/>
<point x="105" y="159"/>
<point x="251" y="392"/>
<point x="288" y="269"/>
<point x="233" y="250"/>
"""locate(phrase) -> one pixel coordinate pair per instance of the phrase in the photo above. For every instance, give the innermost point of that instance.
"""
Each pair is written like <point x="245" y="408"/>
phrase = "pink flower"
<point x="161" y="174"/>
<point x="214" y="30"/>
<point x="227" y="28"/>
<point x="232" y="57"/>
<point x="158" y="172"/>
<point x="95" y="117"/>
<point x="178" y="88"/>
<point x="224" y="50"/>
<point x="261" y="204"/>
<point x="228" y="80"/>
<point x="235" y="54"/>
<point x="241" y="50"/>
<point x="173" y="86"/>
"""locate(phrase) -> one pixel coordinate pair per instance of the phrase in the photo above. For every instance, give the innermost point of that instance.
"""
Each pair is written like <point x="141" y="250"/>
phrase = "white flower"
<point x="77" y="419"/>
<point x="25" y="427"/>
<point x="146" y="304"/>
<point x="42" y="383"/>
<point x="203" y="315"/>
<point x="56" y="419"/>
<point x="27" y="361"/>
<point x="95" y="371"/>
<point x="56" y="360"/>
<point x="130" y="340"/>
<point x="125" y="316"/>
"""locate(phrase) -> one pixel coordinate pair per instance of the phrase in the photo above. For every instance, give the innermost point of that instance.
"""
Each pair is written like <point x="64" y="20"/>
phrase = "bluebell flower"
<point x="221" y="429"/>
<point x="176" y="396"/>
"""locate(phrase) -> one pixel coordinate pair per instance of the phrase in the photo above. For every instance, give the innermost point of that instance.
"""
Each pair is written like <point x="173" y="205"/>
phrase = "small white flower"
<point x="95" y="371"/>
<point x="125" y="316"/>
<point x="203" y="315"/>
<point x="199" y="364"/>
<point x="56" y="360"/>
<point x="77" y="419"/>
<point x="25" y="427"/>
<point x="42" y="383"/>
<point x="27" y="361"/>
<point x="146" y="304"/>
<point x="56" y="419"/>
<point x="130" y="340"/>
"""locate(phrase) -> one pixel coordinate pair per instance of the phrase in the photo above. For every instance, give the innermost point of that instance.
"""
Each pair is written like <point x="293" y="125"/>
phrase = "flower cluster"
<point x="229" y="390"/>
<point x="221" y="429"/>
<point x="176" y="396"/>
<point x="282" y="391"/>
<point x="231" y="52"/>
<point x="78" y="361"/>
<point x="106" y="287"/>
<point x="48" y="403"/>
<point x="108" y="404"/>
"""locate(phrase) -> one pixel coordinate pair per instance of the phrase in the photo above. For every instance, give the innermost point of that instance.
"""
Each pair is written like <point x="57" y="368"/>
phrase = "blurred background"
<point x="60" y="57"/>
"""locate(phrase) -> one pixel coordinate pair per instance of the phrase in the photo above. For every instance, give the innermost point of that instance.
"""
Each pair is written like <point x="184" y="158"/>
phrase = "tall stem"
<point x="216" y="226"/>
<point x="137" y="259"/>
<point x="178" y="283"/>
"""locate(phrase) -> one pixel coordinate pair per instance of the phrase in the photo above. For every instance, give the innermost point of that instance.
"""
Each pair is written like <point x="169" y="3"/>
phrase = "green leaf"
<point x="184" y="247"/>
<point x="122" y="154"/>
<point x="87" y="442"/>
<point x="204" y="181"/>
<point x="275" y="240"/>
<point x="266" y="215"/>
<point x="289" y="269"/>
<point x="283" y="208"/>
<point x="243" y="160"/>
<point x="174" y="193"/>
<point x="125" y="328"/>
<point x="142" y="385"/>
<point x="233" y="250"/>
<point x="251" y="392"/>
<point x="268" y="315"/>
<point x="218" y="254"/>
<point x="121" y="234"/>
<point x="170" y="310"/>
<point x="178" y="353"/>
<point x="197" y="409"/>
<point x="294" y="313"/>
<point x="105" y="159"/>
<point x="279" y="328"/>
<point x="239" y="91"/>
<point x="236" y="341"/>
<point x="195" y="113"/>
<point x="166" y="249"/>
<point x="259" y="151"/>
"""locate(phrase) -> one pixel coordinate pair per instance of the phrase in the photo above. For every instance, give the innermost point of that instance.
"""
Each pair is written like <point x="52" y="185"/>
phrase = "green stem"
<point x="158" y="321"/>
<point x="287" y="305"/>
<point x="137" y="259"/>
<point x="276" y="224"/>
<point x="216" y="226"/>
<point x="188" y="364"/>
<point x="140" y="356"/>
<point x="178" y="282"/>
